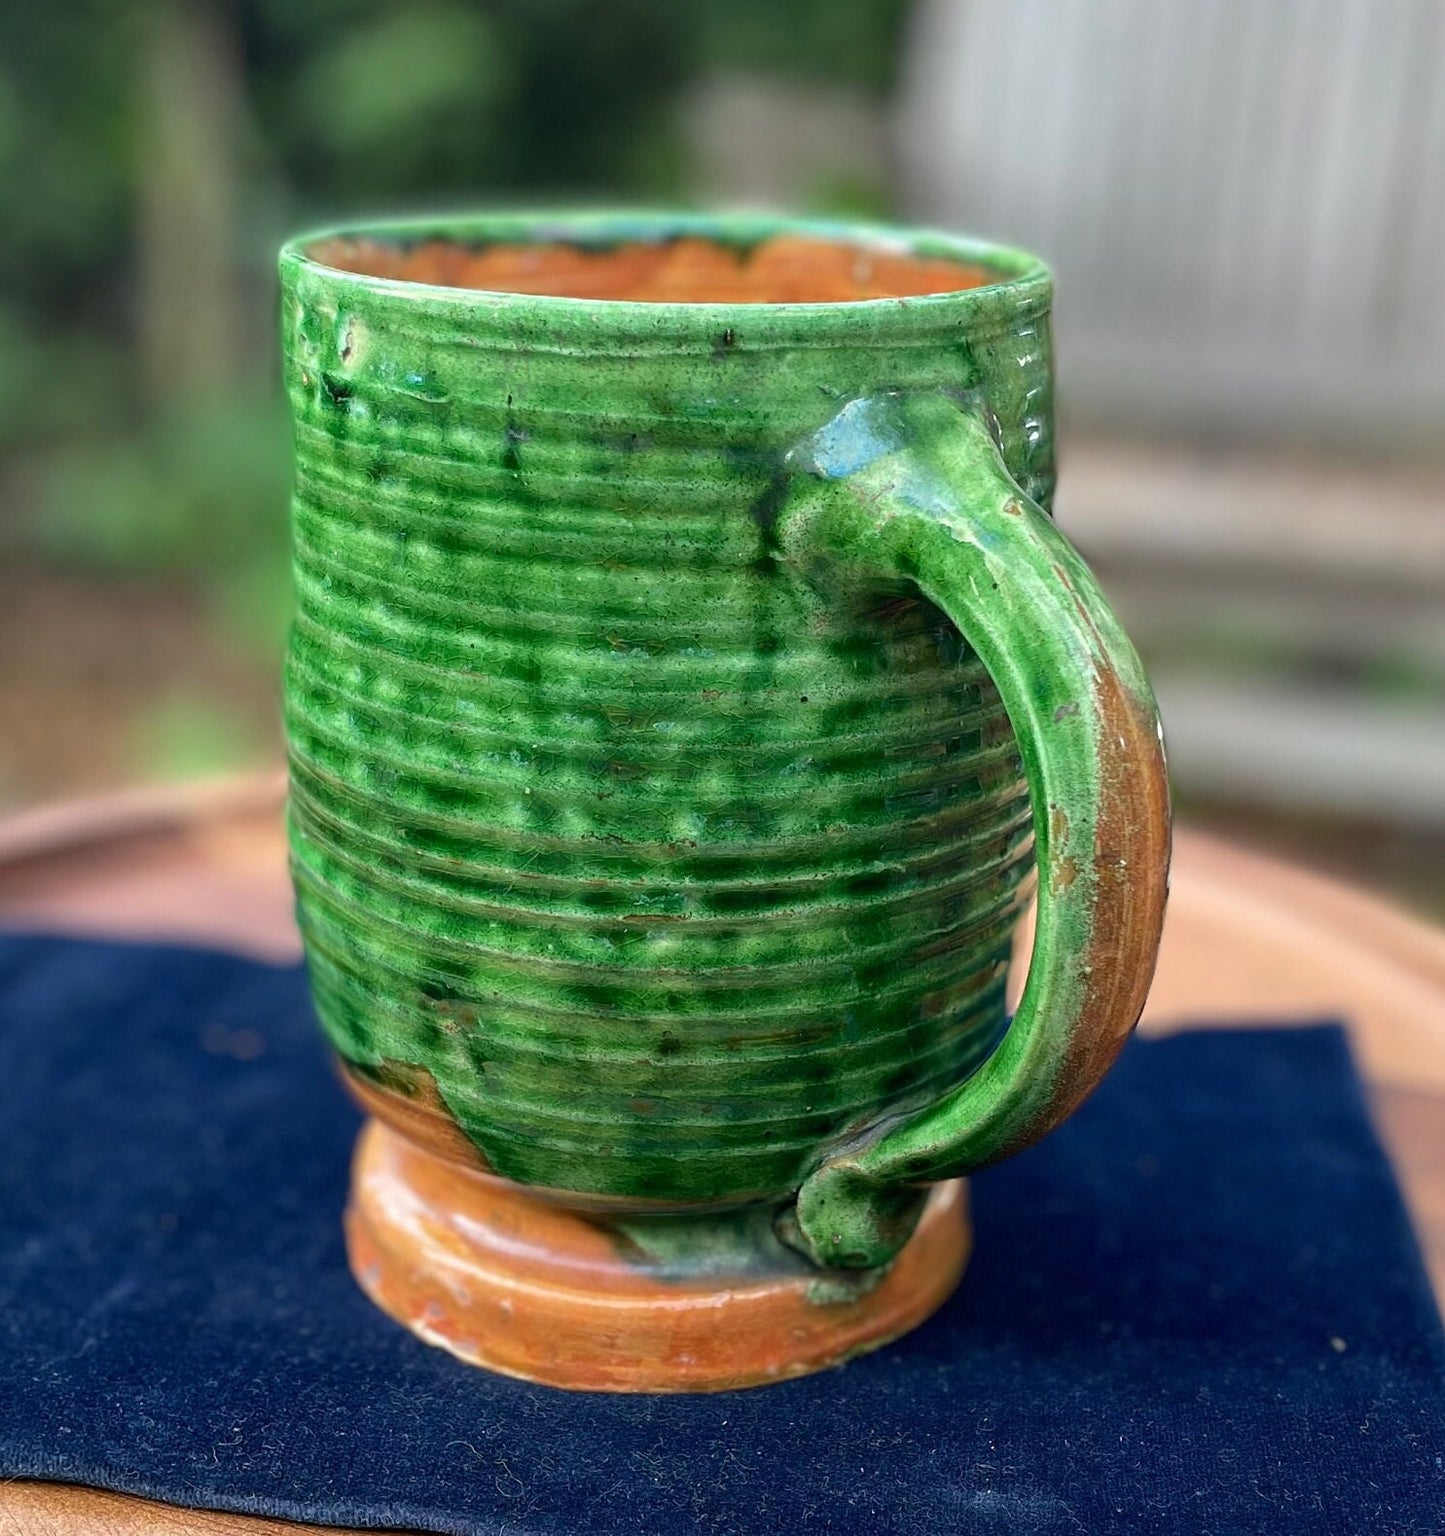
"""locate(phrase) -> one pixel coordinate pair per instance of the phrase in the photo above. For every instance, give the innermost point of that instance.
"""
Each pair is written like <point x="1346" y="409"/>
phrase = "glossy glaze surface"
<point x="659" y="869"/>
<point x="686" y="671"/>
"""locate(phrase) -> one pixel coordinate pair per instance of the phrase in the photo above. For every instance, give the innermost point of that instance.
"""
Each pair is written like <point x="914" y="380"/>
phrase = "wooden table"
<point x="1249" y="941"/>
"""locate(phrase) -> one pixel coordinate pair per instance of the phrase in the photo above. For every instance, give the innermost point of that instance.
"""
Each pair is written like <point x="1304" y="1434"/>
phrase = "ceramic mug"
<point x="686" y="674"/>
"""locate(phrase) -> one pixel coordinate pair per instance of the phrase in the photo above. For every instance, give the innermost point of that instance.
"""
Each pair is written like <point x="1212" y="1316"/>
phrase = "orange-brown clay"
<point x="509" y="1282"/>
<point x="406" y="1097"/>
<point x="787" y="269"/>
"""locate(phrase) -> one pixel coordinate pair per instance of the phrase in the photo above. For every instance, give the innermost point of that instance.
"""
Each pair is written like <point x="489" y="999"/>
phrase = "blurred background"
<point x="1245" y="205"/>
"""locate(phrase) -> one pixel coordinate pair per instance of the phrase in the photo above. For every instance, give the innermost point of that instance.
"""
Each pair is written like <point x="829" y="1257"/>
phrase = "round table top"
<point x="1249" y="940"/>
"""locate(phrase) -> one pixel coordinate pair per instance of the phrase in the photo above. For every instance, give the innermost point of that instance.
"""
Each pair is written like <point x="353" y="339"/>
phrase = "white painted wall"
<point x="1244" y="200"/>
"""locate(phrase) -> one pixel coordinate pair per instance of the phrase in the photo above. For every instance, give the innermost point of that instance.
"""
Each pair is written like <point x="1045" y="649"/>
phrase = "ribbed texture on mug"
<point x="669" y="867"/>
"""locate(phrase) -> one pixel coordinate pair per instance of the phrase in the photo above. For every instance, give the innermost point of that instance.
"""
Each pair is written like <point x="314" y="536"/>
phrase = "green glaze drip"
<point x="733" y="1245"/>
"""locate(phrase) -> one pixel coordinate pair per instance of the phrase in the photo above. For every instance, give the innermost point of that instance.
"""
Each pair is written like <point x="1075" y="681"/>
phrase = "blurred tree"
<point x="153" y="153"/>
<point x="376" y="101"/>
<point x="189" y="128"/>
<point x="855" y="44"/>
<point x="65" y="200"/>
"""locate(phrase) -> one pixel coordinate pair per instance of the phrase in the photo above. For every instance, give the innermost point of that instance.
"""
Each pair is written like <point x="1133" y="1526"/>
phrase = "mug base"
<point x="676" y="1303"/>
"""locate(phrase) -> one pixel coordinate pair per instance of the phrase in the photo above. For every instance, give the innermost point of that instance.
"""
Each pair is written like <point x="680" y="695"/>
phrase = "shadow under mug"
<point x="686" y="674"/>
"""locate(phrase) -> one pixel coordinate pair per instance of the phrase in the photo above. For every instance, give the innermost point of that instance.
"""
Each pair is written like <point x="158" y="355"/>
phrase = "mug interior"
<point x="683" y="268"/>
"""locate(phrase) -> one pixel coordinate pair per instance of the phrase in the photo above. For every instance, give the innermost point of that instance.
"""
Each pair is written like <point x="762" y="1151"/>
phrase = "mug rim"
<point x="1023" y="285"/>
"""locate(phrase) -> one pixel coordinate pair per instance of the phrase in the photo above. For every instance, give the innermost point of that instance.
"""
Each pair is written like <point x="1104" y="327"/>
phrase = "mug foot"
<point x="652" y="1303"/>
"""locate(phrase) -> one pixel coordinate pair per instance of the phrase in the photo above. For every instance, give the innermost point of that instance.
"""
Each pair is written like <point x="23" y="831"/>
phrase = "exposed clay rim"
<point x="690" y="269"/>
<point x="994" y="283"/>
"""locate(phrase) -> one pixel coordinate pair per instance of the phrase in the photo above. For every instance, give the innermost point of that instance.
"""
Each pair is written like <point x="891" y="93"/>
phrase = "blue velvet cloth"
<point x="1197" y="1308"/>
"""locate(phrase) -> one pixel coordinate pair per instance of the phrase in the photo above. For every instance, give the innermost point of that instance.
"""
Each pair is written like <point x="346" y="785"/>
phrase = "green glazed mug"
<point x="686" y="674"/>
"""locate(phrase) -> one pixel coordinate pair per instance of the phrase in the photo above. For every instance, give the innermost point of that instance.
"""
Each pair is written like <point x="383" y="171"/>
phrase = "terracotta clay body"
<point x="686" y="675"/>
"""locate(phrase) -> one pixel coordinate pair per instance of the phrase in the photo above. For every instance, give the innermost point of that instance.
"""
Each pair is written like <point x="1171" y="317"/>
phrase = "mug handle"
<point x="911" y="486"/>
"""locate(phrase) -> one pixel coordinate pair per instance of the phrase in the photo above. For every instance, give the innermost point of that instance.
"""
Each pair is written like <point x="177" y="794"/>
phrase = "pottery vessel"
<point x="686" y="676"/>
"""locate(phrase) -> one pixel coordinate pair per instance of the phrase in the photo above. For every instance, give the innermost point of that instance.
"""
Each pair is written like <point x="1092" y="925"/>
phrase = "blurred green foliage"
<point x="198" y="493"/>
<point x="154" y="153"/>
<point x="187" y="735"/>
<point x="836" y="41"/>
